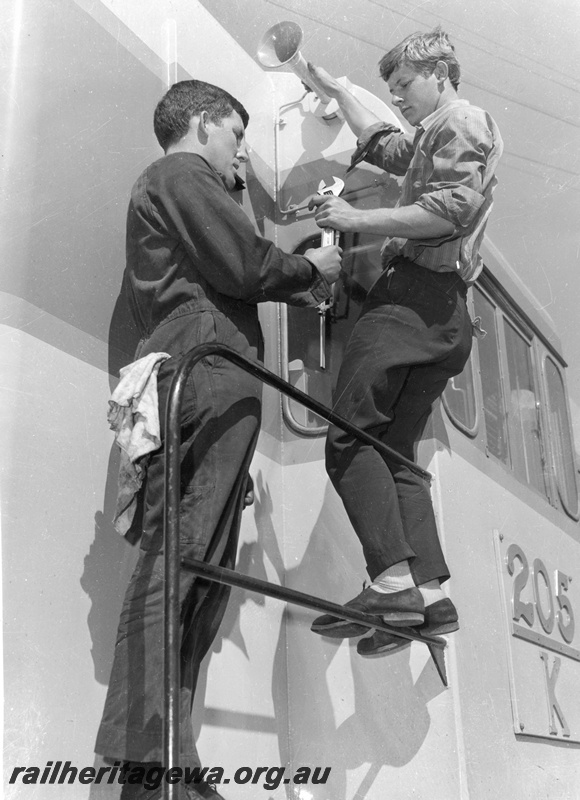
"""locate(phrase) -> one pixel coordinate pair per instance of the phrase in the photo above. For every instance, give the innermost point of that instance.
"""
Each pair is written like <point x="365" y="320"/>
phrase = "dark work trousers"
<point x="413" y="334"/>
<point x="220" y="426"/>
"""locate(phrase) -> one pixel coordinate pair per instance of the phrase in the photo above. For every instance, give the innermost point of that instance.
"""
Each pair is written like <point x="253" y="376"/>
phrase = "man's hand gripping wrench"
<point x="328" y="238"/>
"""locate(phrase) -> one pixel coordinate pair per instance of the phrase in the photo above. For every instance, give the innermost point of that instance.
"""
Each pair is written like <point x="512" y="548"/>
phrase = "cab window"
<point x="561" y="438"/>
<point x="494" y="410"/>
<point x="523" y="410"/>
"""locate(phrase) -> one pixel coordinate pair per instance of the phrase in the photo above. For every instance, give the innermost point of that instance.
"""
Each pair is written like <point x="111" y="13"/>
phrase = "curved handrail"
<point x="201" y="351"/>
<point x="171" y="526"/>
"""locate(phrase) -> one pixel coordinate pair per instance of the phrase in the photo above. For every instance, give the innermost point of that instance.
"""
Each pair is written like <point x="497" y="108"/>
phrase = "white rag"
<point x="134" y="417"/>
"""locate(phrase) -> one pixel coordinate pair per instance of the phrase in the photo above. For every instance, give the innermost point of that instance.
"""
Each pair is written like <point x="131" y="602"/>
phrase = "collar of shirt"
<point x="439" y="113"/>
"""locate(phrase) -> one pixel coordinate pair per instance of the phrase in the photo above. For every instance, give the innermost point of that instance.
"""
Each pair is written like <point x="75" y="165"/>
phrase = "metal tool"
<point x="328" y="238"/>
<point x="329" y="235"/>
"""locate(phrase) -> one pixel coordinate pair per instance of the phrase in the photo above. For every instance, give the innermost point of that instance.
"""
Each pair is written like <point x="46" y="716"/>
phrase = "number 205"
<point x="522" y="610"/>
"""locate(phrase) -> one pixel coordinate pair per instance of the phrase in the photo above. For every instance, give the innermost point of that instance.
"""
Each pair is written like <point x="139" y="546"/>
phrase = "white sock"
<point x="432" y="592"/>
<point x="394" y="579"/>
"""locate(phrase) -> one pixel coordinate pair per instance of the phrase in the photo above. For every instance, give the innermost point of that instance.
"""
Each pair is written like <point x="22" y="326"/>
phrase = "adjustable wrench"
<point x="329" y="237"/>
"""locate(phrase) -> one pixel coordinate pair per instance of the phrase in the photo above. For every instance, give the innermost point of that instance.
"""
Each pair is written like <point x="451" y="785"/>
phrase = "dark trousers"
<point x="220" y="426"/>
<point x="413" y="334"/>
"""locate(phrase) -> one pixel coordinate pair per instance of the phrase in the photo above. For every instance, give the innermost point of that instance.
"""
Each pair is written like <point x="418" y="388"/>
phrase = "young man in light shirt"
<point x="414" y="331"/>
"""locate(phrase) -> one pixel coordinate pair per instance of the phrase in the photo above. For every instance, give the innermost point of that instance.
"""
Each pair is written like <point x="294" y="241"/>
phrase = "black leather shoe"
<point x="200" y="790"/>
<point x="382" y="642"/>
<point x="196" y="790"/>
<point x="440" y="617"/>
<point x="396" y="608"/>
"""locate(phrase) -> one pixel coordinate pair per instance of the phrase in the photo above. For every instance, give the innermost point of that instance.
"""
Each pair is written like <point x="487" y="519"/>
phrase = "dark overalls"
<point x="195" y="271"/>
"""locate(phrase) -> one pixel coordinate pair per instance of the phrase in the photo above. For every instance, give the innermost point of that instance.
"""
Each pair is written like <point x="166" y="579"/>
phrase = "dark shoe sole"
<point x="386" y="650"/>
<point x="403" y="619"/>
<point x="439" y="630"/>
<point x="341" y="630"/>
<point x="394" y="644"/>
<point x="391" y="644"/>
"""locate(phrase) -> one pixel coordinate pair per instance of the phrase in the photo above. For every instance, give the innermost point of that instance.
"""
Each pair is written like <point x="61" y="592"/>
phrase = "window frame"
<point x="532" y="341"/>
<point x="473" y="432"/>
<point x="541" y="350"/>
<point x="557" y="491"/>
<point x="506" y="313"/>
<point x="494" y="302"/>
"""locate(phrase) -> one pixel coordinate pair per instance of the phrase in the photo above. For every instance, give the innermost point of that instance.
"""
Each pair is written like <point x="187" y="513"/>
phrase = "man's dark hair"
<point x="188" y="99"/>
<point x="422" y="51"/>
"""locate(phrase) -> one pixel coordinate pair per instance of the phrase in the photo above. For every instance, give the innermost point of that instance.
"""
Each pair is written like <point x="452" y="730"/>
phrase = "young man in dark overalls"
<point x="196" y="270"/>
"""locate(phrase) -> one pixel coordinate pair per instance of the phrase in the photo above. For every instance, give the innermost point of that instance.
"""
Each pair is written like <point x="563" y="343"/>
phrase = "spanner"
<point x="329" y="237"/>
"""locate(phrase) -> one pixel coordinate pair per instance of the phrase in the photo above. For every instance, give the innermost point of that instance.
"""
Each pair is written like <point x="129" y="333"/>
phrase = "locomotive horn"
<point x="280" y="47"/>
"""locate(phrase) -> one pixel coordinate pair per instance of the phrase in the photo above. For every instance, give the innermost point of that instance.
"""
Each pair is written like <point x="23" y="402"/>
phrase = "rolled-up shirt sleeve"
<point x="385" y="146"/>
<point x="453" y="189"/>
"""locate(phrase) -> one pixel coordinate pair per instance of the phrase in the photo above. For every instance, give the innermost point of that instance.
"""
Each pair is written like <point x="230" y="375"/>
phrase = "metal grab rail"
<point x="173" y="562"/>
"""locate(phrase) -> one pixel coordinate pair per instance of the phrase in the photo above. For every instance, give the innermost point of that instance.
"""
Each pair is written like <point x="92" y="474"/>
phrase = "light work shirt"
<point x="449" y="166"/>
